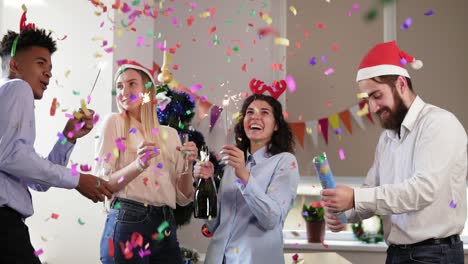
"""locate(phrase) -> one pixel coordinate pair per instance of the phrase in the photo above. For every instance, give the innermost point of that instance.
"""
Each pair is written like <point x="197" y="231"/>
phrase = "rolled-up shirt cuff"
<point x="364" y="200"/>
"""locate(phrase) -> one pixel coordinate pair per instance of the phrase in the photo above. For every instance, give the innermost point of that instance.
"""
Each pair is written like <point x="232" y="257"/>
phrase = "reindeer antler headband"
<point x="23" y="26"/>
<point x="275" y="89"/>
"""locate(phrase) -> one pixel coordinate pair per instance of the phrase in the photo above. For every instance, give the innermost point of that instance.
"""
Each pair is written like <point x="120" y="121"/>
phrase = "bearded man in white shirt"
<point x="418" y="179"/>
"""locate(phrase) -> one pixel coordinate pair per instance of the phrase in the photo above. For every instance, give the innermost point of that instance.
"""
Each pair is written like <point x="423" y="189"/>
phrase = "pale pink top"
<point x="157" y="185"/>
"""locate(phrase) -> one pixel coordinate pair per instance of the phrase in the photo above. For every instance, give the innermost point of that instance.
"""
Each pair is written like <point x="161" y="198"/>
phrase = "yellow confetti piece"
<point x="84" y="108"/>
<point x="77" y="115"/>
<point x="362" y="95"/>
<point x="236" y="250"/>
<point x="97" y="55"/>
<point x="119" y="32"/>
<point x="67" y="73"/>
<point x="115" y="151"/>
<point x="204" y="14"/>
<point x="282" y="41"/>
<point x="293" y="10"/>
<point x="309" y="131"/>
<point x="364" y="111"/>
<point x="267" y="19"/>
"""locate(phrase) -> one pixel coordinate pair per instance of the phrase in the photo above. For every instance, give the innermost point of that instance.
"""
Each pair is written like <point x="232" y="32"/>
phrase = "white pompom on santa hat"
<point x="386" y="59"/>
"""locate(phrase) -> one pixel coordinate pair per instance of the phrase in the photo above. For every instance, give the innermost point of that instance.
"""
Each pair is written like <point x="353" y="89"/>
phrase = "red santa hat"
<point x="386" y="59"/>
<point x="130" y="64"/>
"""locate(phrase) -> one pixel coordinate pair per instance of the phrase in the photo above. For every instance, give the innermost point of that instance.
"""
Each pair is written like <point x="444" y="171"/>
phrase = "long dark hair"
<point x="282" y="139"/>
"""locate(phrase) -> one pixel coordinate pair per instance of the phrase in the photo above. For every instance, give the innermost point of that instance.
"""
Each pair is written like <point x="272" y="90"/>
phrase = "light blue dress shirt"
<point x="20" y="165"/>
<point x="249" y="226"/>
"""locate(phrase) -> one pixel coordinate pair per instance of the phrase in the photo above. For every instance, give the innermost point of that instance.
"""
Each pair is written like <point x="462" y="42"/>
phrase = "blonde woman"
<point x="149" y="170"/>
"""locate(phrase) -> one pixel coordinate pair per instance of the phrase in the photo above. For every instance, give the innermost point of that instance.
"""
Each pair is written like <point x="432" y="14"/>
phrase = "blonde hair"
<point x="149" y="120"/>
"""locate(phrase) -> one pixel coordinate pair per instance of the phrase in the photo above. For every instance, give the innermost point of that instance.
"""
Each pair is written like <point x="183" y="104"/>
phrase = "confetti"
<point x="321" y="26"/>
<point x="407" y="24"/>
<point x="282" y="41"/>
<point x="53" y="107"/>
<point x="244" y="67"/>
<point x="429" y="13"/>
<point x="132" y="130"/>
<point x="312" y="61"/>
<point x="120" y="179"/>
<point x="38" y="252"/>
<point x="291" y="83"/>
<point x="195" y="88"/>
<point x="74" y="172"/>
<point x="211" y="30"/>
<point x="453" y="204"/>
<point x="329" y="71"/>
<point x="293" y="10"/>
<point x="85" y="167"/>
<point x="362" y="95"/>
<point x="67" y="73"/>
<point x="110" y="246"/>
<point x="80" y="221"/>
<point x="54" y="216"/>
<point x="364" y="111"/>
<point x="342" y="154"/>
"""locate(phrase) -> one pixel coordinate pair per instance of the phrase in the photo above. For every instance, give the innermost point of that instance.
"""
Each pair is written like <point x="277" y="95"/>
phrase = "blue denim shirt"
<point x="250" y="219"/>
<point x="20" y="165"/>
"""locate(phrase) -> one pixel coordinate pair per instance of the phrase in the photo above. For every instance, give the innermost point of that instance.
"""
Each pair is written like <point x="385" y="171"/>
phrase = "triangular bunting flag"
<point x="354" y="111"/>
<point x="345" y="117"/>
<point x="312" y="127"/>
<point x="215" y="113"/>
<point x="369" y="114"/>
<point x="324" y="128"/>
<point x="298" y="130"/>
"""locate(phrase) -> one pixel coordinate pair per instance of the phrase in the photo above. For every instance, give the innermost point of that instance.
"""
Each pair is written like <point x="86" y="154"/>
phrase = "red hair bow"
<point x="275" y="89"/>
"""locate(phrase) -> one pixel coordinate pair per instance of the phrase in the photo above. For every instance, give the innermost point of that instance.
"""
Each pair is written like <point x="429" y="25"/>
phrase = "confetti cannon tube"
<point x="326" y="178"/>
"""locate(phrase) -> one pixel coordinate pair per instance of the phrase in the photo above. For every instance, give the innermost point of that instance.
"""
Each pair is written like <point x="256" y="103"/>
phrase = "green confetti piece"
<point x="159" y="35"/>
<point x="63" y="141"/>
<point x="75" y="92"/>
<point x="136" y="2"/>
<point x="188" y="112"/>
<point x="161" y="228"/>
<point x="229" y="22"/>
<point x="181" y="125"/>
<point x="228" y="59"/>
<point x="265" y="4"/>
<point x="81" y="222"/>
<point x="371" y="15"/>
<point x="150" y="33"/>
<point x="148" y="85"/>
<point x="114" y="92"/>
<point x="253" y="12"/>
<point x="117" y="205"/>
<point x="216" y="41"/>
<point x="236" y="48"/>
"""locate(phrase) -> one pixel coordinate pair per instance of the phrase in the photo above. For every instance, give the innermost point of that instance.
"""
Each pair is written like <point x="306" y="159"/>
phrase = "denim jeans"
<point x="134" y="217"/>
<point x="443" y="253"/>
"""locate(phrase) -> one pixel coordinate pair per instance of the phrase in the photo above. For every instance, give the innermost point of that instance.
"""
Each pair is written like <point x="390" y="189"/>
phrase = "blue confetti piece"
<point x="429" y="13"/>
<point x="160" y="165"/>
<point x="133" y="97"/>
<point x="312" y="61"/>
<point x="403" y="61"/>
<point x="453" y="204"/>
<point x="132" y="130"/>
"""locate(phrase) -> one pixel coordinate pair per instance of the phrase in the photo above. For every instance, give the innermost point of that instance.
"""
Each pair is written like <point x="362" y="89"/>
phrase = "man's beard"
<point x="396" y="115"/>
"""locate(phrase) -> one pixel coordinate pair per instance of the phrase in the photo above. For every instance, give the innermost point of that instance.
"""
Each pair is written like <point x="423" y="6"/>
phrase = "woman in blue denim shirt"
<point x="257" y="189"/>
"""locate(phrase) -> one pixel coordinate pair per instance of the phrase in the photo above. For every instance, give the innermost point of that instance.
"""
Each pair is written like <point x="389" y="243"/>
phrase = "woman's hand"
<point x="203" y="170"/>
<point x="234" y="157"/>
<point x="145" y="152"/>
<point x="189" y="150"/>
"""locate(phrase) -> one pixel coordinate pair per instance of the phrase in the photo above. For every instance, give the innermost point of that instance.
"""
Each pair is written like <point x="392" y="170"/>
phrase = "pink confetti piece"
<point x="324" y="245"/>
<point x="356" y="7"/>
<point x="95" y="119"/>
<point x="102" y="24"/>
<point x="85" y="167"/>
<point x="195" y="88"/>
<point x="342" y="154"/>
<point x="79" y="126"/>
<point x="244" y="67"/>
<point x="429" y="13"/>
<point x="74" y="172"/>
<point x="88" y="99"/>
<point x="69" y="116"/>
<point x="175" y="67"/>
<point x="329" y="71"/>
<point x="291" y="83"/>
<point x="144" y="253"/>
<point x="118" y="143"/>
<point x="54" y="216"/>
<point x="335" y="47"/>
<point x="109" y="50"/>
<point x="203" y="98"/>
<point x="38" y="252"/>
<point x="120" y="179"/>
<point x="140" y="40"/>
